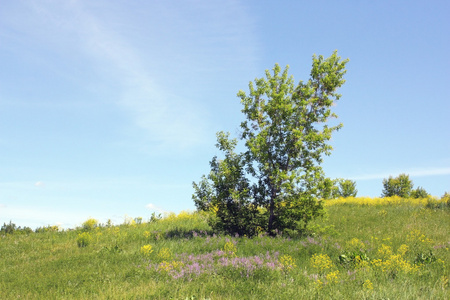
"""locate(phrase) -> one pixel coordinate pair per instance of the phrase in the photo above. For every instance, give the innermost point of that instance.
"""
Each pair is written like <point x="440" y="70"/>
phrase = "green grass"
<point x="51" y="265"/>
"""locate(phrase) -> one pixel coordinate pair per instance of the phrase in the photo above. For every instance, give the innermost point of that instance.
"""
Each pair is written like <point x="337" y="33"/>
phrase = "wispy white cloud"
<point x="39" y="184"/>
<point x="414" y="172"/>
<point x="156" y="58"/>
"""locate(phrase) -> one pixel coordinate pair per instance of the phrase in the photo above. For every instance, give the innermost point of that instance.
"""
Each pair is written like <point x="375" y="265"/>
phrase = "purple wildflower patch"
<point x="188" y="266"/>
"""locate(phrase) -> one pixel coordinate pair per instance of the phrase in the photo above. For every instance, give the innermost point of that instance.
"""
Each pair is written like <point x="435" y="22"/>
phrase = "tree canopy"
<point x="275" y="183"/>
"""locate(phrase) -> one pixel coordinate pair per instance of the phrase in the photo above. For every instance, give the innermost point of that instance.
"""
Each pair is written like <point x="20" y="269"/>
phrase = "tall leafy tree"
<point x="286" y="136"/>
<point x="419" y="192"/>
<point x="399" y="186"/>
<point x="346" y="188"/>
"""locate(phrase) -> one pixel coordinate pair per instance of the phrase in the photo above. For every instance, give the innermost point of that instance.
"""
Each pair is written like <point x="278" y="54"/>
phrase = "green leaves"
<point x="285" y="135"/>
<point x="400" y="186"/>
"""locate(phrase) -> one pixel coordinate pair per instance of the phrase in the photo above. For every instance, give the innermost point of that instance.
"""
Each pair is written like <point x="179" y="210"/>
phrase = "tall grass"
<point x="395" y="249"/>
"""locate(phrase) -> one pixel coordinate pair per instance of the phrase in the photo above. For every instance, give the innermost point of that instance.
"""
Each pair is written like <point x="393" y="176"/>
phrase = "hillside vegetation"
<point x="362" y="249"/>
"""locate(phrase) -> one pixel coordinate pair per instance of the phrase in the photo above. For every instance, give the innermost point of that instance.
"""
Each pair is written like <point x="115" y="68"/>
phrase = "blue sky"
<point x="110" y="108"/>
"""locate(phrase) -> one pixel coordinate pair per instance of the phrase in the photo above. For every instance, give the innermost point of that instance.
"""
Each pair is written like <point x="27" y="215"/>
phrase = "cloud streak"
<point x="156" y="59"/>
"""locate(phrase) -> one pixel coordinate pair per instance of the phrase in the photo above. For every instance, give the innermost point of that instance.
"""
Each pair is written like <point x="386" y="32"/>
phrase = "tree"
<point x="420" y="192"/>
<point x="335" y="188"/>
<point x="328" y="189"/>
<point x="277" y="179"/>
<point x="226" y="191"/>
<point x="346" y="188"/>
<point x="400" y="186"/>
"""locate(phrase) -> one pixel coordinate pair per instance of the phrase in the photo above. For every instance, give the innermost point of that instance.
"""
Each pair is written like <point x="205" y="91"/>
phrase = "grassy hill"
<point x="363" y="249"/>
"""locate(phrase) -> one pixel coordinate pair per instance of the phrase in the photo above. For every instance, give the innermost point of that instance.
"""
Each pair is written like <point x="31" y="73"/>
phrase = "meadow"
<point x="364" y="248"/>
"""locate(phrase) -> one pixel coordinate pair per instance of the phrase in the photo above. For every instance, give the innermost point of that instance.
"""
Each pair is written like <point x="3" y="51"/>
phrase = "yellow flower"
<point x="384" y="251"/>
<point x="368" y="284"/>
<point x="321" y="262"/>
<point x="146" y="250"/>
<point x="169" y="266"/>
<point x="230" y="248"/>
<point x="402" y="249"/>
<point x="287" y="262"/>
<point x="332" y="277"/>
<point x="318" y="284"/>
<point x="147" y="234"/>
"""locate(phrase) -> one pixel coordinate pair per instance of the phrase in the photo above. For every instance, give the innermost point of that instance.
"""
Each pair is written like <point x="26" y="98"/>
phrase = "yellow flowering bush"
<point x="394" y="264"/>
<point x="416" y="236"/>
<point x="90" y="224"/>
<point x="332" y="277"/>
<point x="321" y="262"/>
<point x="146" y="250"/>
<point x="384" y="251"/>
<point x="84" y="239"/>
<point x="368" y="284"/>
<point x="287" y="262"/>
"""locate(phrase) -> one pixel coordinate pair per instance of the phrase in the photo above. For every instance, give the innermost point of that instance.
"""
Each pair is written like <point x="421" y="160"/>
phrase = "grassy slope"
<point x="50" y="265"/>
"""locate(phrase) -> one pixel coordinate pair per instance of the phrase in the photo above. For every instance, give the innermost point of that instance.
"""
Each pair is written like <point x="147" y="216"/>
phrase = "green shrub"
<point x="89" y="224"/>
<point x="84" y="239"/>
<point x="12" y="228"/>
<point x="399" y="186"/>
<point x="420" y="192"/>
<point x="8" y="228"/>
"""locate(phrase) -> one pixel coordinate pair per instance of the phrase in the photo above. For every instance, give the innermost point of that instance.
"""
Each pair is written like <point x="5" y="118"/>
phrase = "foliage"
<point x="11" y="228"/>
<point x="442" y="203"/>
<point x="399" y="186"/>
<point x="146" y="250"/>
<point x="419" y="193"/>
<point x="89" y="224"/>
<point x="226" y="192"/>
<point x="328" y="189"/>
<point x="84" y="239"/>
<point x="8" y="228"/>
<point x="332" y="189"/>
<point x="275" y="183"/>
<point x="346" y="188"/>
<point x="48" y="228"/>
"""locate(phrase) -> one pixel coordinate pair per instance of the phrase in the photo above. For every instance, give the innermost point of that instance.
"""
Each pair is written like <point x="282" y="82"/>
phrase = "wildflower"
<point x="287" y="262"/>
<point x="84" y="239"/>
<point x="368" y="285"/>
<point x="384" y="251"/>
<point x="402" y="249"/>
<point x="382" y="213"/>
<point x="318" y="284"/>
<point x="146" y="250"/>
<point x="332" y="277"/>
<point x="230" y="248"/>
<point x="90" y="224"/>
<point x="147" y="234"/>
<point x="169" y="266"/>
<point x="321" y="262"/>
